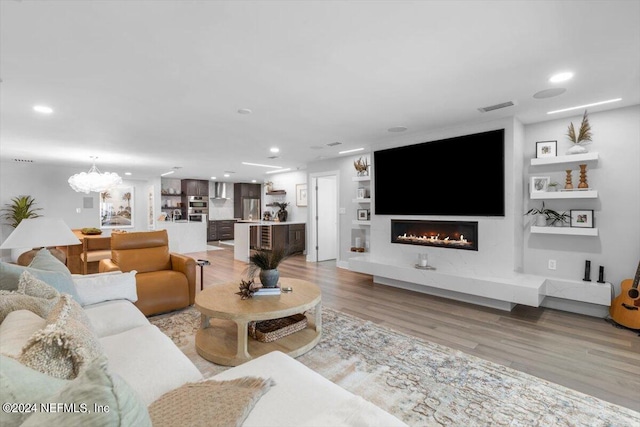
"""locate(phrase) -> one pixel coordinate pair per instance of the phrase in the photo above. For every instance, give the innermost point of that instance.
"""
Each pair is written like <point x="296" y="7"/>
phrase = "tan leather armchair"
<point x="165" y="281"/>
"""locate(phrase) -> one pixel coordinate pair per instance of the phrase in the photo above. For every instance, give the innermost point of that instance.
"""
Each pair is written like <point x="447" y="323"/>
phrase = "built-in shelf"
<point x="366" y="200"/>
<point x="567" y="231"/>
<point x="574" y="158"/>
<point x="276" y="193"/>
<point x="361" y="178"/>
<point x="579" y="194"/>
<point x="356" y="222"/>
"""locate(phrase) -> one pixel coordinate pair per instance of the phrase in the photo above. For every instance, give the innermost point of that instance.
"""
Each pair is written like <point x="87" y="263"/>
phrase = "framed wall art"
<point x="362" y="215"/>
<point x="546" y="149"/>
<point x="301" y="194"/>
<point x="117" y="207"/>
<point x="539" y="184"/>
<point x="582" y="218"/>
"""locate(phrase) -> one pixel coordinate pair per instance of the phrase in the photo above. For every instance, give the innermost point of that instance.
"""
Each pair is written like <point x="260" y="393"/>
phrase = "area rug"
<point x="423" y="383"/>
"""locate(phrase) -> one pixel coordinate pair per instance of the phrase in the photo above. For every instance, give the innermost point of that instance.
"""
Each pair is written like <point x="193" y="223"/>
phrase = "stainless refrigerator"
<point x="251" y="208"/>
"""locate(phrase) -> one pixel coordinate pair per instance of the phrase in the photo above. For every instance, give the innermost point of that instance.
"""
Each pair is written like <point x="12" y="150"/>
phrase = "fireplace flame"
<point x="435" y="240"/>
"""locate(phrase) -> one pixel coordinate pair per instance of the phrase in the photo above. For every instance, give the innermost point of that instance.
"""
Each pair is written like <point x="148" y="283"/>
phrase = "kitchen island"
<point x="185" y="237"/>
<point x="266" y="235"/>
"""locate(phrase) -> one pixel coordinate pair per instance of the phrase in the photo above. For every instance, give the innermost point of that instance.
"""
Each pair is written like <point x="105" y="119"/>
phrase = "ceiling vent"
<point x="23" y="160"/>
<point x="272" y="157"/>
<point x="333" y="144"/>
<point x="496" y="107"/>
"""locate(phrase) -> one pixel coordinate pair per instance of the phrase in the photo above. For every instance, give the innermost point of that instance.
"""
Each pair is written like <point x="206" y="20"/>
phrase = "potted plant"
<point x="20" y="208"/>
<point x="558" y="219"/>
<point x="266" y="261"/>
<point x="542" y="215"/>
<point x="553" y="186"/>
<point x="582" y="137"/>
<point x="282" y="214"/>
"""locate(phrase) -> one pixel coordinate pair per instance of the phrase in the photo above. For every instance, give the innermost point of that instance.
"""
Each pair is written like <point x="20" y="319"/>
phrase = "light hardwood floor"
<point x="580" y="352"/>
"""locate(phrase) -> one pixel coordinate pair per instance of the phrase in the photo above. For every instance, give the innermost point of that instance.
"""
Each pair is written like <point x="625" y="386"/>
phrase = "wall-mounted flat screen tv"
<point x="462" y="176"/>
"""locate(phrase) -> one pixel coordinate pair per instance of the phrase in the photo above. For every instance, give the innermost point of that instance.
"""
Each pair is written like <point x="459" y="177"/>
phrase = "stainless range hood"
<point x="219" y="191"/>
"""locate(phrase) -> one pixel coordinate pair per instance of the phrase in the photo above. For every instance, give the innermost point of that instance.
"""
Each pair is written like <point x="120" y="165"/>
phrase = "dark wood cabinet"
<point x="242" y="192"/>
<point x="241" y="189"/>
<point x="221" y="230"/>
<point x="297" y="236"/>
<point x="195" y="187"/>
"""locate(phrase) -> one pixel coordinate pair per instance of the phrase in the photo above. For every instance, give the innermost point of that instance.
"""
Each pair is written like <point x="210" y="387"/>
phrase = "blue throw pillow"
<point x="45" y="267"/>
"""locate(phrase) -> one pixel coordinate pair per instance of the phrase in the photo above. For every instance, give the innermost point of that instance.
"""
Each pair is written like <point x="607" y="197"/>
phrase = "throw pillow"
<point x="93" y="391"/>
<point x="11" y="301"/>
<point x="47" y="262"/>
<point x="211" y="403"/>
<point x="30" y="285"/>
<point x="21" y="384"/>
<point x="60" y="280"/>
<point x="64" y="347"/>
<point x="16" y="329"/>
<point x="106" y="287"/>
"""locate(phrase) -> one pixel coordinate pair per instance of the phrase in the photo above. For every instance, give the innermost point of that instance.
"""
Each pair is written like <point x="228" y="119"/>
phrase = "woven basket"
<point x="271" y="330"/>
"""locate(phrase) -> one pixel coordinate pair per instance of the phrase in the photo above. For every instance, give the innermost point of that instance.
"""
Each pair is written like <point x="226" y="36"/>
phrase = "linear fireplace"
<point x="441" y="234"/>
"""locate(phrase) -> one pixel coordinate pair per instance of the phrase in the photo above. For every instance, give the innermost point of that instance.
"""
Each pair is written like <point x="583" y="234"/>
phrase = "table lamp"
<point x="40" y="233"/>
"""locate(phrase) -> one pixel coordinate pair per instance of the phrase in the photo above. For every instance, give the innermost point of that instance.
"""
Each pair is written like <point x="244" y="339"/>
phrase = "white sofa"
<point x="152" y="365"/>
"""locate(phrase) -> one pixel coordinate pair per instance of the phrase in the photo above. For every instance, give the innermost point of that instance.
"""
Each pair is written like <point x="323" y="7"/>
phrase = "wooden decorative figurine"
<point x="568" y="185"/>
<point x="583" y="177"/>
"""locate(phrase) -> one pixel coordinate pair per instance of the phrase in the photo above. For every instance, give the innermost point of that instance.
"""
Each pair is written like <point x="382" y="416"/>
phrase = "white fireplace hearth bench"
<point x="502" y="292"/>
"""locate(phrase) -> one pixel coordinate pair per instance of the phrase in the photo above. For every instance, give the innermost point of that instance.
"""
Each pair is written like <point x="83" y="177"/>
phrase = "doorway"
<point x="324" y="217"/>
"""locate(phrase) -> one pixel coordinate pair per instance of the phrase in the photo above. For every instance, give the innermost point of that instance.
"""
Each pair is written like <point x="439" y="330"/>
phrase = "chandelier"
<point x="94" y="180"/>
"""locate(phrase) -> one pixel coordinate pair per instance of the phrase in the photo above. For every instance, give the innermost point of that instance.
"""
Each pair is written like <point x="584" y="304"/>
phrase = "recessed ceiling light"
<point x="128" y="173"/>
<point x="254" y="181"/>
<point x="350" y="151"/>
<point x="226" y="175"/>
<point x="43" y="109"/>
<point x="585" y="106"/>
<point x="279" y="170"/>
<point x="397" y="129"/>
<point x="213" y="177"/>
<point x="549" y="93"/>
<point x="244" y="111"/>
<point x="561" y="77"/>
<point x="274" y="149"/>
<point x="262" y="166"/>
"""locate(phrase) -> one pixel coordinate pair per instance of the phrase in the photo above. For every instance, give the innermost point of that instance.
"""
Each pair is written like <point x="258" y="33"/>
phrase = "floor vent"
<point x="496" y="107"/>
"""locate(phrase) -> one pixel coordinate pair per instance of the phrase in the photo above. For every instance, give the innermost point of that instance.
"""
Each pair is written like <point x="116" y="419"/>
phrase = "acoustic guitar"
<point x="625" y="308"/>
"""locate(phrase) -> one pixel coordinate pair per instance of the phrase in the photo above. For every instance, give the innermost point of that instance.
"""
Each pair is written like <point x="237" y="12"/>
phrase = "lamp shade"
<point x="39" y="233"/>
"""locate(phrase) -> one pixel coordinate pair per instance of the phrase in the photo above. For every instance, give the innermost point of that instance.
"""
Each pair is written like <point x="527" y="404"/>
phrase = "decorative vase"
<point x="583" y="177"/>
<point x="541" y="220"/>
<point x="577" y="148"/>
<point x="568" y="184"/>
<point x="269" y="278"/>
<point x="282" y="215"/>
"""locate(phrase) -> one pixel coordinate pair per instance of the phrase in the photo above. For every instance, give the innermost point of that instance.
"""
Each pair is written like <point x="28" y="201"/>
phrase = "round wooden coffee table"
<point x="223" y="334"/>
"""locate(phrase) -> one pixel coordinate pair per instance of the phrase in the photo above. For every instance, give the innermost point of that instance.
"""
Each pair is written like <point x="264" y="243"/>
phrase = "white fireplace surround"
<point x="492" y="275"/>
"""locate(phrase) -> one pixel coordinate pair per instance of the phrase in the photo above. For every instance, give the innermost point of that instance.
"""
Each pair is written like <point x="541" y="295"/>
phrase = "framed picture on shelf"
<point x="546" y="149"/>
<point x="362" y="215"/>
<point x="361" y="193"/>
<point x="581" y="218"/>
<point x="301" y="194"/>
<point x="539" y="184"/>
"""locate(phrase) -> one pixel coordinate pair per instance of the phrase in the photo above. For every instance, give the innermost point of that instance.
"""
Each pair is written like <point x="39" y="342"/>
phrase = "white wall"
<point x="616" y="176"/>
<point x="48" y="185"/>
<point x="286" y="181"/>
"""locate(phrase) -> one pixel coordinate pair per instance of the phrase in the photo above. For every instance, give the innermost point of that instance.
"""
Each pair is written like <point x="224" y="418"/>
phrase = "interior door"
<point x="327" y="217"/>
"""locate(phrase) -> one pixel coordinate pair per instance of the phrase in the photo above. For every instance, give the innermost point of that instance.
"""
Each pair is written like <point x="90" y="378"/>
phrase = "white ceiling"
<point x="149" y="85"/>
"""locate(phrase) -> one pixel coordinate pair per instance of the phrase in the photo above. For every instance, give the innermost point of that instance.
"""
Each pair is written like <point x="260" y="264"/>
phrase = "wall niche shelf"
<point x="276" y="193"/>
<point x="574" y="158"/>
<point x="366" y="200"/>
<point x="361" y="178"/>
<point x="584" y="194"/>
<point x="567" y="231"/>
<point x="356" y="222"/>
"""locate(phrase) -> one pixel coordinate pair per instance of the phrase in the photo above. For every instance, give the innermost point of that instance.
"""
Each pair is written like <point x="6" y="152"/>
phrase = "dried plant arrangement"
<point x="361" y="166"/>
<point x="246" y="289"/>
<point x="584" y="134"/>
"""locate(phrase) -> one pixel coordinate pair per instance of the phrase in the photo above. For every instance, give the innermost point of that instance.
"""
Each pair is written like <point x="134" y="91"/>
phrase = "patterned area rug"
<point x="422" y="383"/>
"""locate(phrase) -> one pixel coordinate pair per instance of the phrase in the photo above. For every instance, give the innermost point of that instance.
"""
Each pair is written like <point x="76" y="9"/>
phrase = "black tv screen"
<point x="455" y="176"/>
